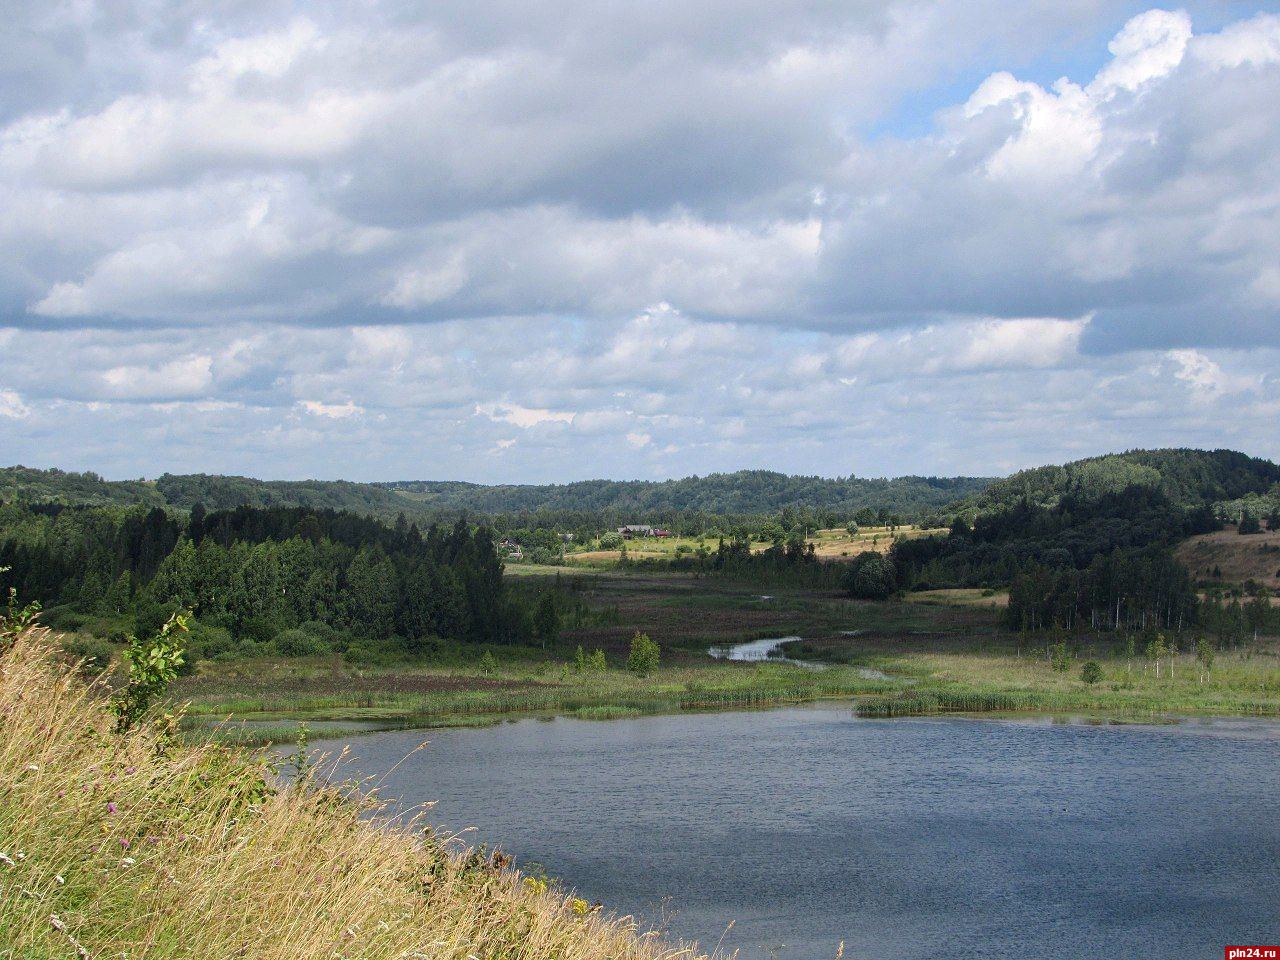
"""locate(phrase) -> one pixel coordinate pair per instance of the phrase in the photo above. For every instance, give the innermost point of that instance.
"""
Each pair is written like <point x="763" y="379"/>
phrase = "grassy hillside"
<point x="130" y="846"/>
<point x="1226" y="557"/>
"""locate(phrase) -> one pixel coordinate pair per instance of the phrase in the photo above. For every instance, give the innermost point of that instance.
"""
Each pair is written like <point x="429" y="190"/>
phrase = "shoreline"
<point x="268" y="728"/>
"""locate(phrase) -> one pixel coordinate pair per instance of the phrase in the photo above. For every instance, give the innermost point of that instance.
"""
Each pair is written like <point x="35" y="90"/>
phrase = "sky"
<point x="498" y="242"/>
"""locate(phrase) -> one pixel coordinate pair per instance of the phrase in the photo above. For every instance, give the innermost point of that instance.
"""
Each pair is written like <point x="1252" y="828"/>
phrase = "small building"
<point x="636" y="530"/>
<point x="663" y="533"/>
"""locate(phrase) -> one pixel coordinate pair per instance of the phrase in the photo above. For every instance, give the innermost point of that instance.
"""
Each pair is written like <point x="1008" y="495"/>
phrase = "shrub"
<point x="611" y="541"/>
<point x="871" y="577"/>
<point x="644" y="655"/>
<point x="94" y="651"/>
<point x="1091" y="673"/>
<point x="153" y="664"/>
<point x="205" y="642"/>
<point x="297" y="642"/>
<point x="371" y="653"/>
<point x="488" y="664"/>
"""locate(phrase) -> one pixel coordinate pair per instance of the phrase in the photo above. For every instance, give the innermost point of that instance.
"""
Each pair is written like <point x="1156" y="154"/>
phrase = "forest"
<point x="1088" y="544"/>
<point x="281" y="580"/>
<point x="595" y="503"/>
<point x="743" y="493"/>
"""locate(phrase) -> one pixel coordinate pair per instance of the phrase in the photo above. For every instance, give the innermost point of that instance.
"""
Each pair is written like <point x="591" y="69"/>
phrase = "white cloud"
<point x="185" y="377"/>
<point x="972" y="397"/>
<point x="12" y="406"/>
<point x="1206" y="377"/>
<point x="333" y="411"/>
<point x="1150" y="47"/>
<point x="711" y="230"/>
<point x="523" y="417"/>
<point x="1020" y="343"/>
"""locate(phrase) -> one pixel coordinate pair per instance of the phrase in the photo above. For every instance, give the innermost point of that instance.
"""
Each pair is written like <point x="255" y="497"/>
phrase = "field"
<point x="1236" y="558"/>
<point x="832" y="544"/>
<point x="944" y="645"/>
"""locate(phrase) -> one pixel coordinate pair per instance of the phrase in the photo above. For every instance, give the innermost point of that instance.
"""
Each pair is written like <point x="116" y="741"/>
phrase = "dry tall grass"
<point x="132" y="847"/>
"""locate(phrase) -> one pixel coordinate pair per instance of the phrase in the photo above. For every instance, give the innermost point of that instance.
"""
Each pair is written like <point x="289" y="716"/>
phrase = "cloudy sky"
<point x="497" y="241"/>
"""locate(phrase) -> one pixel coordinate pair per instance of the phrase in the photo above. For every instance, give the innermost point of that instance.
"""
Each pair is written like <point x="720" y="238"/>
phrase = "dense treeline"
<point x="1070" y="534"/>
<point x="297" y="578"/>
<point x="1183" y="478"/>
<point x="1122" y="590"/>
<point x="743" y="493"/>
<point x="693" y="504"/>
<point x="219" y="492"/>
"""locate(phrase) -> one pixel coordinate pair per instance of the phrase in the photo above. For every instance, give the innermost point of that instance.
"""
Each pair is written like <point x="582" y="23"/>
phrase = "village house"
<point x="642" y="530"/>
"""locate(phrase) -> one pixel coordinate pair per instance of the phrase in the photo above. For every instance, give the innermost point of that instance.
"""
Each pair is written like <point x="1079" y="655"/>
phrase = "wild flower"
<point x="111" y="807"/>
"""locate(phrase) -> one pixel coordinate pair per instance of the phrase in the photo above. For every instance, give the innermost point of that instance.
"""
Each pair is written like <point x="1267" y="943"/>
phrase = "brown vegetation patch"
<point x="1253" y="556"/>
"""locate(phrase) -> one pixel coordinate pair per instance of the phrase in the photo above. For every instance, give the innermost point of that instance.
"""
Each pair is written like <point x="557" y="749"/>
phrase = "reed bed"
<point x="931" y="702"/>
<point x="778" y="685"/>
<point x="135" y="846"/>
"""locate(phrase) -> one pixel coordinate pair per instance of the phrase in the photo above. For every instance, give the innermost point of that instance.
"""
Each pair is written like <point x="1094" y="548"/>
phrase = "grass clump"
<point x="606" y="713"/>
<point x="130" y="844"/>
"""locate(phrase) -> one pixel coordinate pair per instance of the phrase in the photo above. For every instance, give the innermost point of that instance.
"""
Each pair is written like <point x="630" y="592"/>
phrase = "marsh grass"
<point x="1242" y="683"/>
<point x="134" y="846"/>
<point x="668" y="690"/>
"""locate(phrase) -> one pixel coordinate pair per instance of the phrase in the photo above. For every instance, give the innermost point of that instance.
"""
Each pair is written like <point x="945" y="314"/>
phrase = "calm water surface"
<point x="904" y="838"/>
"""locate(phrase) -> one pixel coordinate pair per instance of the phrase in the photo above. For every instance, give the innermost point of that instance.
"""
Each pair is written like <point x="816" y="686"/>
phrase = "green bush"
<point x="153" y="664"/>
<point x="871" y="577"/>
<point x="1091" y="673"/>
<point x="644" y="655"/>
<point x="94" y="651"/>
<point x="297" y="642"/>
<point x="206" y="642"/>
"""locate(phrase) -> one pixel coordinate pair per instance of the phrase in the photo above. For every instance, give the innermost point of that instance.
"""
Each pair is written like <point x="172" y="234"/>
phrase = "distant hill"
<point x="224" y="493"/>
<point x="743" y="492"/>
<point x="747" y="492"/>
<point x="30" y="485"/>
<point x="1184" y="477"/>
<point x="1135" y="506"/>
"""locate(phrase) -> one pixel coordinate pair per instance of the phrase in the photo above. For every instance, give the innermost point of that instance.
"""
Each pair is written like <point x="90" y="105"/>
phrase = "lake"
<point x="908" y="838"/>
